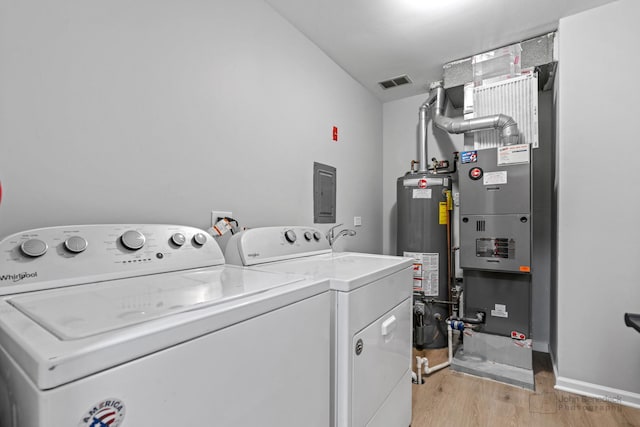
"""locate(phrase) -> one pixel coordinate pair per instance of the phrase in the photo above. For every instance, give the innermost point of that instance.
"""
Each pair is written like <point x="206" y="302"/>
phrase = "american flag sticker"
<point x="106" y="413"/>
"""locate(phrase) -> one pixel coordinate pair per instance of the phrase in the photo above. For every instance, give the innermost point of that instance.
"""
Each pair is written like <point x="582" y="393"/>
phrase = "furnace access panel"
<point x="495" y="209"/>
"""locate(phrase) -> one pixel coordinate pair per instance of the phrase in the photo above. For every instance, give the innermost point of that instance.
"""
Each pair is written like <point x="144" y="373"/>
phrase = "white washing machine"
<point x="371" y="318"/>
<point x="144" y="325"/>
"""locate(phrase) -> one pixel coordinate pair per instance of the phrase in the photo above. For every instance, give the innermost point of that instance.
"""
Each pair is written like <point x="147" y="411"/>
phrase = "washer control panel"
<point x="53" y="257"/>
<point x="267" y="244"/>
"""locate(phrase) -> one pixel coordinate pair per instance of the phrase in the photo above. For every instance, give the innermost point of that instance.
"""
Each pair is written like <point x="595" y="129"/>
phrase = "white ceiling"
<point x="375" y="40"/>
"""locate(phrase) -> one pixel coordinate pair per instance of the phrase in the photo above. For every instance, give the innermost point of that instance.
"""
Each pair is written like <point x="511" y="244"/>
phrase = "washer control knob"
<point x="34" y="248"/>
<point x="133" y="240"/>
<point x="199" y="239"/>
<point x="290" y="236"/>
<point x="76" y="244"/>
<point x="317" y="236"/>
<point x="308" y="236"/>
<point x="178" y="239"/>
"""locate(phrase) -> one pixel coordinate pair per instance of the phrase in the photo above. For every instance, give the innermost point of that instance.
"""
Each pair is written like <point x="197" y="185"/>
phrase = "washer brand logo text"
<point x="108" y="413"/>
<point x="254" y="255"/>
<point x="18" y="277"/>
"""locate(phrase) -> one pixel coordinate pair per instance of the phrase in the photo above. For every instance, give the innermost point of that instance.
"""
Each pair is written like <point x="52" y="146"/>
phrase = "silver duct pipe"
<point x="507" y="126"/>
<point x="422" y="133"/>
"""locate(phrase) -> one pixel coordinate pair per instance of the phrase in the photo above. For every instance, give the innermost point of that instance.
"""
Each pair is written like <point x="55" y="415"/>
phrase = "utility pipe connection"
<point x="423" y="361"/>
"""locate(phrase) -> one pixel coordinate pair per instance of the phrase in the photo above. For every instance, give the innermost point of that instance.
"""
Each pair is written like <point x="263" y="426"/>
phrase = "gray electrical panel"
<point x="495" y="209"/>
<point x="324" y="193"/>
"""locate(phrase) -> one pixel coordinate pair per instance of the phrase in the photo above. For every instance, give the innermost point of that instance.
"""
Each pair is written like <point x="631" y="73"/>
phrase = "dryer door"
<point x="381" y="356"/>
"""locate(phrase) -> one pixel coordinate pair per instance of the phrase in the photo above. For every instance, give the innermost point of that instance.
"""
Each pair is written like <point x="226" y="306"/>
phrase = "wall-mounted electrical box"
<point x="324" y="194"/>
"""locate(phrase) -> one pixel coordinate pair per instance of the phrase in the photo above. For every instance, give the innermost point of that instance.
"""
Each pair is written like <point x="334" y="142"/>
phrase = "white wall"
<point x="599" y="206"/>
<point x="148" y="111"/>
<point x="400" y="146"/>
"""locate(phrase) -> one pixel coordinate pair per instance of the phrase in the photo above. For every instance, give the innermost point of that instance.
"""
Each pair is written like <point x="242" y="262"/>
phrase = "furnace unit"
<point x="495" y="236"/>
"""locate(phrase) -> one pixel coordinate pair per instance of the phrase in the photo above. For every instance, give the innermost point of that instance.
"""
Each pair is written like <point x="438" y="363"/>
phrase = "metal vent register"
<point x="396" y="81"/>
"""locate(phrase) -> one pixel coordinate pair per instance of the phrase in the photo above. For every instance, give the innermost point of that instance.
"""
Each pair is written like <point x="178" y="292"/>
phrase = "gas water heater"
<point x="423" y="203"/>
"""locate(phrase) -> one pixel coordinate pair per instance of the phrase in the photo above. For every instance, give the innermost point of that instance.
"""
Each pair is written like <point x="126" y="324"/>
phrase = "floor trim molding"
<point x="606" y="394"/>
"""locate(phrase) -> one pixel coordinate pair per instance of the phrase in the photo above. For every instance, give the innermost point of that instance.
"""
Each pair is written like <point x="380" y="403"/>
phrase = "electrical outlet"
<point x="357" y="221"/>
<point x="217" y="215"/>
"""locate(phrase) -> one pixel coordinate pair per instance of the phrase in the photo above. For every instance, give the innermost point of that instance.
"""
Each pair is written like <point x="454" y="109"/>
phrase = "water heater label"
<point x="443" y="213"/>
<point x="421" y="193"/>
<point x="425" y="272"/>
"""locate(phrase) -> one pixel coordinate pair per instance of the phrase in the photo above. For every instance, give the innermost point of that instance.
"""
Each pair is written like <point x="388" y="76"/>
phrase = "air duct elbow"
<point x="509" y="130"/>
<point x="434" y="105"/>
<point x="507" y="127"/>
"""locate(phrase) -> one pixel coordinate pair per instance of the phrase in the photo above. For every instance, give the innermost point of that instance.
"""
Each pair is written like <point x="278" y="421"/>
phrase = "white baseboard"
<point x="607" y="394"/>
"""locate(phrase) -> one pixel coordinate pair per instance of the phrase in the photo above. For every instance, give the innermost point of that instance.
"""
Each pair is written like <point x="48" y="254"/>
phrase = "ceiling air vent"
<point x="396" y="81"/>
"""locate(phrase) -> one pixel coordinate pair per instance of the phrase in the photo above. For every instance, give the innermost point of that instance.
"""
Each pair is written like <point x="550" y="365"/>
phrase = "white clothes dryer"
<point x="144" y="325"/>
<point x="371" y="318"/>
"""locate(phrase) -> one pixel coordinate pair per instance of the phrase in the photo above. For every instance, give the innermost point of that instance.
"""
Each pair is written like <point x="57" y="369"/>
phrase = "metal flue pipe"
<point x="422" y="133"/>
<point x="506" y="125"/>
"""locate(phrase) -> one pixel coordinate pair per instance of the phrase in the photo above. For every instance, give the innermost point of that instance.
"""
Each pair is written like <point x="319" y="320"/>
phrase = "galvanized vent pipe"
<point x="505" y="124"/>
<point x="422" y="133"/>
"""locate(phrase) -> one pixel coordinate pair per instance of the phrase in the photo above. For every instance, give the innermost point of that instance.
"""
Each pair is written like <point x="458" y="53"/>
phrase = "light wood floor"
<point x="449" y="398"/>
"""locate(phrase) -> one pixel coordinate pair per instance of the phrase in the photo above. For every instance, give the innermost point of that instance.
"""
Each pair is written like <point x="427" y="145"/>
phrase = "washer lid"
<point x="83" y="311"/>
<point x="58" y="336"/>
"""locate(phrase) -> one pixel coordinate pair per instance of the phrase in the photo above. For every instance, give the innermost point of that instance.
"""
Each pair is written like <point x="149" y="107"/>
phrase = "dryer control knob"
<point x="290" y="235"/>
<point x="199" y="239"/>
<point x="34" y="248"/>
<point x="133" y="240"/>
<point x="308" y="236"/>
<point x="76" y="244"/>
<point x="317" y="236"/>
<point x="178" y="239"/>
